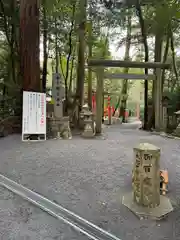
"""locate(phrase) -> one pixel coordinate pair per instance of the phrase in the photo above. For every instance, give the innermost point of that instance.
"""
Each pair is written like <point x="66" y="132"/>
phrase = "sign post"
<point x="34" y="116"/>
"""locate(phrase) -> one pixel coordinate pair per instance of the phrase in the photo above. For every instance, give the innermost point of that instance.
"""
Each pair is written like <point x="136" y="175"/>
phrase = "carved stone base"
<point x="59" y="128"/>
<point x="89" y="130"/>
<point x="156" y="213"/>
<point x="177" y="131"/>
<point x="3" y="131"/>
<point x="64" y="128"/>
<point x="116" y="120"/>
<point x="106" y="121"/>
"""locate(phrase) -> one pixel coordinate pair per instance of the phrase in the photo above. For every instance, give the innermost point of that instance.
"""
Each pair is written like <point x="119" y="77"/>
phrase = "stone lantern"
<point x="87" y="121"/>
<point x="177" y="130"/>
<point x="85" y="109"/>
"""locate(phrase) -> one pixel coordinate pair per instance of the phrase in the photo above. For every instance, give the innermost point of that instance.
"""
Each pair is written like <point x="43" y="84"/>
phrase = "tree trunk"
<point x="56" y="48"/>
<point x="29" y="44"/>
<point x="173" y="60"/>
<point x="71" y="84"/>
<point x="69" y="56"/>
<point x="125" y="81"/>
<point x="8" y="22"/>
<point x="90" y="43"/>
<point x="13" y="41"/>
<point x="124" y="98"/>
<point x="166" y="51"/>
<point x="45" y="50"/>
<point x="157" y="84"/>
<point x="81" y="52"/>
<point x="99" y="100"/>
<point x="157" y="88"/>
<point x="3" y="101"/>
<point x="146" y="50"/>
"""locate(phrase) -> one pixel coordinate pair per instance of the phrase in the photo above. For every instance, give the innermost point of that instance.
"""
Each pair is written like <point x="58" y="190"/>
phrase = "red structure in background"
<point x="110" y="109"/>
<point x="126" y="114"/>
<point x="109" y="106"/>
<point x="93" y="102"/>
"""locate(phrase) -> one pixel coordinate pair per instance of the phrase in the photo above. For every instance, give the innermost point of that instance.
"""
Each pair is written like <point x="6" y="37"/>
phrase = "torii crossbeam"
<point x="125" y="64"/>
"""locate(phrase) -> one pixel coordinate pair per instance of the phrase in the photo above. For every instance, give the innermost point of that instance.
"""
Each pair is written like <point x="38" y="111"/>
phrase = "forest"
<point x="38" y="38"/>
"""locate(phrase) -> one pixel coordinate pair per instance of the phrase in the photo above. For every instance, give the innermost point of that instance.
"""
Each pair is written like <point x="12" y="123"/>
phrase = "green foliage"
<point x="174" y="100"/>
<point x="109" y="23"/>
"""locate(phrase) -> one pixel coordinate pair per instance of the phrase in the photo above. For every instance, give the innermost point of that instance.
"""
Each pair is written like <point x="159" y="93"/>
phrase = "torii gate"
<point x="157" y="66"/>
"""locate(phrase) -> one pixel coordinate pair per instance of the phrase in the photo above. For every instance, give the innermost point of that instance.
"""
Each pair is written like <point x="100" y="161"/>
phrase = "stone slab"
<point x="88" y="135"/>
<point x="156" y="213"/>
<point x="59" y="128"/>
<point x="147" y="147"/>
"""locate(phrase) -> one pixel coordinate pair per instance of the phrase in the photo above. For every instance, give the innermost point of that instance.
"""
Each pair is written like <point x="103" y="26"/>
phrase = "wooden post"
<point x="99" y="99"/>
<point x="158" y="101"/>
<point x="138" y="110"/>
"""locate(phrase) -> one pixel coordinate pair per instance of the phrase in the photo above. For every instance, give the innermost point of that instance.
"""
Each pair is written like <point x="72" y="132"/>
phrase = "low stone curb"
<point x="165" y="135"/>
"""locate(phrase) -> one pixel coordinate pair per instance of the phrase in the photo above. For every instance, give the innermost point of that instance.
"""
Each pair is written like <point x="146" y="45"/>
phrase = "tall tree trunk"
<point x="125" y="81"/>
<point x="56" y="48"/>
<point x="45" y="50"/>
<point x="29" y="44"/>
<point x="69" y="56"/>
<point x="11" y="36"/>
<point x="157" y="58"/>
<point x="81" y="52"/>
<point x="165" y="58"/>
<point x="90" y="43"/>
<point x="146" y="58"/>
<point x="13" y="41"/>
<point x="71" y="85"/>
<point x="3" y="101"/>
<point x="173" y="60"/>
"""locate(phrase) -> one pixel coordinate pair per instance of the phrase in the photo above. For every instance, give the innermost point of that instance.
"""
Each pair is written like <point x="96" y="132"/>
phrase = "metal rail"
<point x="78" y="223"/>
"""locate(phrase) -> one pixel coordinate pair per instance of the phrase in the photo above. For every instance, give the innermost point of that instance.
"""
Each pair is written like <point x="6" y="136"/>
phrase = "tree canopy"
<point x="73" y="31"/>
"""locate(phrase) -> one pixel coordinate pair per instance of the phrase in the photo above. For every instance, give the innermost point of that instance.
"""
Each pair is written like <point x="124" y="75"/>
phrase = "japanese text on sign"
<point x="34" y="113"/>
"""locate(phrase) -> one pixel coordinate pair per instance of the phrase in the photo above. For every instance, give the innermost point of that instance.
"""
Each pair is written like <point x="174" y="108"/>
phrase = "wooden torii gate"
<point x="129" y="76"/>
<point x="100" y="64"/>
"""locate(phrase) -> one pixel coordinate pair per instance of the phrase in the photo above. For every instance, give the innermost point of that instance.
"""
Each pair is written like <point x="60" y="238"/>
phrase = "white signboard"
<point x="34" y="113"/>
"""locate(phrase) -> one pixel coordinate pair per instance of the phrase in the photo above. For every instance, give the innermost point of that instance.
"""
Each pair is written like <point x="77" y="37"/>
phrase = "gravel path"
<point x="88" y="177"/>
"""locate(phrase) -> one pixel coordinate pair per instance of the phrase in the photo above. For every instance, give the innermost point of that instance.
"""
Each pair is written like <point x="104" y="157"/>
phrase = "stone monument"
<point x="145" y="199"/>
<point x="58" y="124"/>
<point x="146" y="180"/>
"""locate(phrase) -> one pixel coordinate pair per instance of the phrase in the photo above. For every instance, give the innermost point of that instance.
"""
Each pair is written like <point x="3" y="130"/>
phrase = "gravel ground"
<point x="19" y="220"/>
<point x="88" y="177"/>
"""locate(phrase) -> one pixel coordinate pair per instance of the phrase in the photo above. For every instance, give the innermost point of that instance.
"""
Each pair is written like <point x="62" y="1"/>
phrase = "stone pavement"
<point x="88" y="177"/>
